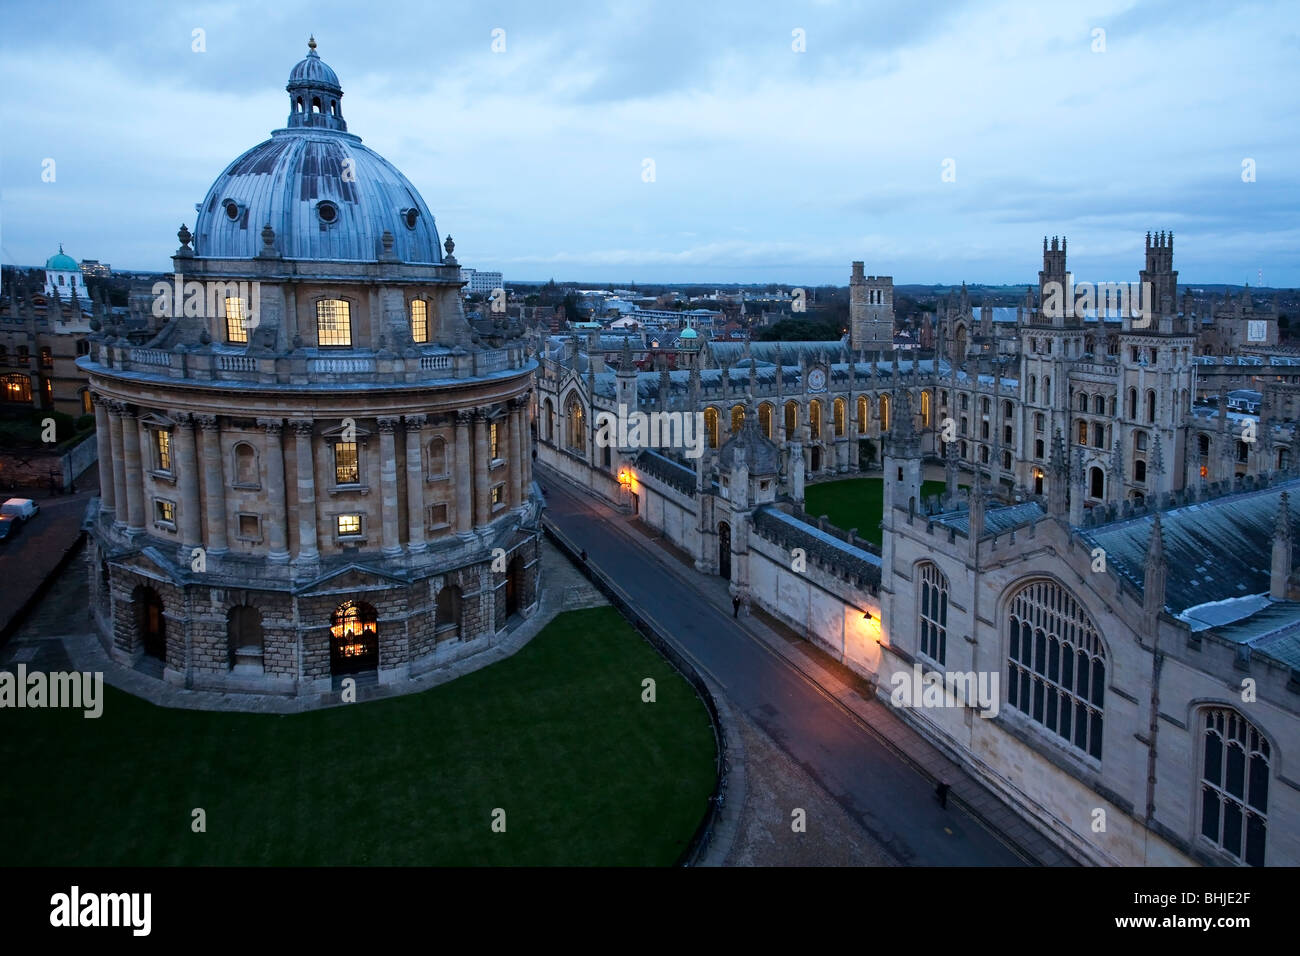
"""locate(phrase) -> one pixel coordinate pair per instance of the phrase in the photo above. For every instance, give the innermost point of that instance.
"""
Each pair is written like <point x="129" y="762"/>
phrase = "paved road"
<point x="893" y="802"/>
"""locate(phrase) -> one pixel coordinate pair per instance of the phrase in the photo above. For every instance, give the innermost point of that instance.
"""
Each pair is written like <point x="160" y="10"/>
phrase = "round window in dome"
<point x="232" y="209"/>
<point x="412" y="216"/>
<point x="327" y="211"/>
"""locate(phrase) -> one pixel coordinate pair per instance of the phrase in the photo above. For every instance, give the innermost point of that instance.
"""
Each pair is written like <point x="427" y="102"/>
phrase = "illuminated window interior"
<point x="347" y="470"/>
<point x="236" y="330"/>
<point x="349" y="525"/>
<point x="354" y="628"/>
<point x="333" y="322"/>
<point x="419" y="320"/>
<point x="163" y="447"/>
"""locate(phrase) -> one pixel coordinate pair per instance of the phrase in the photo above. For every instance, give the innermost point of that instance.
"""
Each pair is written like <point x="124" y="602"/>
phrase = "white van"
<point x="24" y="509"/>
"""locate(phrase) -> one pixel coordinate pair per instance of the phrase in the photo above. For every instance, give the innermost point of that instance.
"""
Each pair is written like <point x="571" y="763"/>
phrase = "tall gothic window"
<point x="864" y="413"/>
<point x="934" y="613"/>
<point x="333" y="322"/>
<point x="711" y="425"/>
<point x="884" y="413"/>
<point x="791" y="419"/>
<point x="577" y="437"/>
<point x="419" y="320"/>
<point x="837" y="416"/>
<point x="737" y="418"/>
<point x="1234" y="785"/>
<point x="765" y="419"/>
<point x="162" y="445"/>
<point x="815" y="420"/>
<point x="1056" y="665"/>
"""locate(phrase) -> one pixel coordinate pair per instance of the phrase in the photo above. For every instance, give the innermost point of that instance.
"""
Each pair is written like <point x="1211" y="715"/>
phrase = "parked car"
<point x="24" y="509"/>
<point x="9" y="525"/>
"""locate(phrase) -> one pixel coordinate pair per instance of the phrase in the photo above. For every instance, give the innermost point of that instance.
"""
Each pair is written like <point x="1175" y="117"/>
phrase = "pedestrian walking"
<point x="941" y="791"/>
<point x="735" y="607"/>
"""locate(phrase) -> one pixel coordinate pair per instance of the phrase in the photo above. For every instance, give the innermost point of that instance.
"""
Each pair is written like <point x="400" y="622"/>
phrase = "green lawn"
<point x="856" y="503"/>
<point x="556" y="735"/>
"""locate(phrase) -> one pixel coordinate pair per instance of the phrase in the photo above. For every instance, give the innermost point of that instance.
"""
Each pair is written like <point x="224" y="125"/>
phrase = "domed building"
<point x="63" y="277"/>
<point x="318" y="467"/>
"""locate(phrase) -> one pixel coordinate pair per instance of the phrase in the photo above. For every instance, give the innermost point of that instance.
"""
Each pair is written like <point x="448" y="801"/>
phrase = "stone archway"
<point x="354" y="638"/>
<point x="150" y="623"/>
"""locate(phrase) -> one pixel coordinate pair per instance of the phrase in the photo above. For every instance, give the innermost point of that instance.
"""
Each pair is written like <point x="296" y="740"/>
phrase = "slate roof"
<point x="836" y="556"/>
<point x="1215" y="550"/>
<point x="997" y="520"/>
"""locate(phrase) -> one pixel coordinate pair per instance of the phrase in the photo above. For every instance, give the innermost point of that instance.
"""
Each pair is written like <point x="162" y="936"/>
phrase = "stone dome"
<point x="324" y="194"/>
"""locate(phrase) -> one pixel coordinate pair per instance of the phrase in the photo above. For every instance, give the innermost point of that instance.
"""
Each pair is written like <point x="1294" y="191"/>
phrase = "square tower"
<point x="871" y="311"/>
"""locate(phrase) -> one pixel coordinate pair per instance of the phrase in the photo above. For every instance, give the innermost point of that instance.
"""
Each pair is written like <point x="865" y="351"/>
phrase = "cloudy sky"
<point x="769" y="164"/>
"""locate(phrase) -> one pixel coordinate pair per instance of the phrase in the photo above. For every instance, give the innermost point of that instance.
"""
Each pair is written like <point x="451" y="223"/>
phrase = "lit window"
<point x="333" y="322"/>
<point x="419" y="320"/>
<point x="934" y="613"/>
<point x="17" y="388"/>
<point x="47" y="357"/>
<point x="1234" y="785"/>
<point x="164" y="511"/>
<point x="349" y="525"/>
<point x="494" y="445"/>
<point x="236" y="330"/>
<point x="163" y="449"/>
<point x="347" y="470"/>
<point x="498" y="494"/>
<point x="1056" y="667"/>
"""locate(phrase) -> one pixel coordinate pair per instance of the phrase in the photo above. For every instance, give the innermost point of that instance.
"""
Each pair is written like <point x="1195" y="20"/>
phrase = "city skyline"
<point x="533" y="157"/>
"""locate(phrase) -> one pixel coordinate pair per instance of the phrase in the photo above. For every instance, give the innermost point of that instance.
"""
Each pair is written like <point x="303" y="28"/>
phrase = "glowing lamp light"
<point x="624" y="477"/>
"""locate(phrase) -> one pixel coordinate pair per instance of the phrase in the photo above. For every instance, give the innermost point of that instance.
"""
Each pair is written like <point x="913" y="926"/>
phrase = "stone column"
<point x="277" y="513"/>
<point x="482" y="491"/>
<point x="187" y="480"/>
<point x="308" y="553"/>
<point x="134" y="473"/>
<point x="517" y="454"/>
<point x="117" y="467"/>
<point x="214" y="484"/>
<point x="463" y="475"/>
<point x="388" y="484"/>
<point x="414" y="484"/>
<point x="104" y="449"/>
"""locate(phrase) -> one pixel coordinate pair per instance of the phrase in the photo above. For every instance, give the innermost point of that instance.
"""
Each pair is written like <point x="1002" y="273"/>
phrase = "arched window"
<point x="1133" y="403"/>
<point x="333" y="323"/>
<point x="354" y="632"/>
<point x="1038" y="448"/>
<point x="576" y="439"/>
<point x="1235" y="759"/>
<point x="864" y="413"/>
<point x="437" y="456"/>
<point x="1083" y="401"/>
<point x="1099" y="405"/>
<point x="791" y="419"/>
<point x="1140" y="470"/>
<point x="984" y="406"/>
<point x="1096" y="483"/>
<point x="837" y="417"/>
<point x="1151" y="405"/>
<point x="1033" y="388"/>
<point x="815" y="419"/>
<point x="245" y="464"/>
<point x="925" y="409"/>
<point x="1098" y="435"/>
<point x="1056" y="665"/>
<point x="419" y="320"/>
<point x="1006" y="460"/>
<point x="933" y="613"/>
<point x="737" y="418"/>
<point x="765" y="418"/>
<point x="884" y="413"/>
<point x="548" y="421"/>
<point x="1047" y="389"/>
<point x="711" y="425"/>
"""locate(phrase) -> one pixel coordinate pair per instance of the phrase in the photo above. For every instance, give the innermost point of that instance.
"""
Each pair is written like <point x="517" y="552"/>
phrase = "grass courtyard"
<point x="856" y="503"/>
<point x="557" y="736"/>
